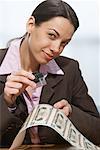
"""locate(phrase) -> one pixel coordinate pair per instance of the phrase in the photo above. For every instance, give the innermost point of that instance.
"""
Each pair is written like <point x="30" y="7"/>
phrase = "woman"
<point x="49" y="29"/>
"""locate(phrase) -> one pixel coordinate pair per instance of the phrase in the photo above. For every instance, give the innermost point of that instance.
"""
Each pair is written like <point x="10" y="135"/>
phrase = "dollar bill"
<point x="47" y="115"/>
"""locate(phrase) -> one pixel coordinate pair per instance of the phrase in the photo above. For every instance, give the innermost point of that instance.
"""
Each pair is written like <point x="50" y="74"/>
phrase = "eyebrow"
<point x="55" y="31"/>
<point x="68" y="40"/>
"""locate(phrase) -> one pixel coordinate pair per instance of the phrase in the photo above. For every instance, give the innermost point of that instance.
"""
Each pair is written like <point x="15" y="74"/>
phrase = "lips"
<point x="48" y="56"/>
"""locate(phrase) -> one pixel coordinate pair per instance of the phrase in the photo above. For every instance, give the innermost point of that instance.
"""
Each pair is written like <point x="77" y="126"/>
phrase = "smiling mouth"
<point x="48" y="56"/>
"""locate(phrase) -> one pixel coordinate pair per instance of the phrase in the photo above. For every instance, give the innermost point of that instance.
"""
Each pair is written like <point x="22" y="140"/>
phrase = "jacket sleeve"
<point x="85" y="115"/>
<point x="10" y="123"/>
<point x="5" y="115"/>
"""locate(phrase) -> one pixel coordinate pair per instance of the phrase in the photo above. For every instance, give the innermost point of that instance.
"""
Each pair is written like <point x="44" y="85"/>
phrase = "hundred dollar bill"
<point x="47" y="115"/>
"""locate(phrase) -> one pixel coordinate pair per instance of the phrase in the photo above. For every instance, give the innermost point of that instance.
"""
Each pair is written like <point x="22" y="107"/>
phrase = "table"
<point x="43" y="147"/>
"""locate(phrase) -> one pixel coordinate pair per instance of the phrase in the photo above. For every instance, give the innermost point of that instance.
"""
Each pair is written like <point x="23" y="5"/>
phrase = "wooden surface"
<point x="43" y="147"/>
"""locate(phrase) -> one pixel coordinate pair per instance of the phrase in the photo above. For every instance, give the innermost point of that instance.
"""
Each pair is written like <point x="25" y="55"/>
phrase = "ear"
<point x="30" y="24"/>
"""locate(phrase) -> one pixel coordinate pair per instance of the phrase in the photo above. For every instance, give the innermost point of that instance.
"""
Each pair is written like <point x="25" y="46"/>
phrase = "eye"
<point x="52" y="36"/>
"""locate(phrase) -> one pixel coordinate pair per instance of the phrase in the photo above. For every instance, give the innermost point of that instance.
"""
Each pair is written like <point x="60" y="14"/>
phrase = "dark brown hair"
<point x="53" y="8"/>
<point x="49" y="9"/>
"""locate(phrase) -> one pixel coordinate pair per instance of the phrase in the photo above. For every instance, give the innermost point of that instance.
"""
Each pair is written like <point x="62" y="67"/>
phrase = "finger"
<point x="61" y="104"/>
<point x="66" y="110"/>
<point x="21" y="79"/>
<point x="11" y="91"/>
<point x="15" y="85"/>
<point x="10" y="95"/>
<point x="24" y="73"/>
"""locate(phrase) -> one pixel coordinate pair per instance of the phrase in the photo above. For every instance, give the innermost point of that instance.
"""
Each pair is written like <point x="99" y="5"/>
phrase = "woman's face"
<point x="48" y="40"/>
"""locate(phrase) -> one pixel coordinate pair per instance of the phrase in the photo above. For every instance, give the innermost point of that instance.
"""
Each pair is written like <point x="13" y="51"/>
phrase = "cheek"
<point x="33" y="44"/>
<point x="30" y="42"/>
<point x="38" y="42"/>
<point x="44" y="41"/>
<point x="42" y="44"/>
<point x="61" y="49"/>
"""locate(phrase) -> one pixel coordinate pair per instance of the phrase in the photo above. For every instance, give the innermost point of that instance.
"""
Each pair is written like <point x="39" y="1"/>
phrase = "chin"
<point x="43" y="62"/>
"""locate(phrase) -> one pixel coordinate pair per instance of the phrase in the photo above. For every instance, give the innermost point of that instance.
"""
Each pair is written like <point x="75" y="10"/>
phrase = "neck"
<point x="26" y="58"/>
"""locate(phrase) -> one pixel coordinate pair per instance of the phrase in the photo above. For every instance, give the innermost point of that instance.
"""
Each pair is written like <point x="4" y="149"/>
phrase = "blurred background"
<point x="84" y="47"/>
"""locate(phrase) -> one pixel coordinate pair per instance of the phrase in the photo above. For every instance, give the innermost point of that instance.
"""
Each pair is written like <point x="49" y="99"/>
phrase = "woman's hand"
<point x="64" y="106"/>
<point x="16" y="83"/>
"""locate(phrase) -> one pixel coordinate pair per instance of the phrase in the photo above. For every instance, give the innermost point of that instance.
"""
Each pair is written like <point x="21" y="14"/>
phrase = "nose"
<point x="55" y="48"/>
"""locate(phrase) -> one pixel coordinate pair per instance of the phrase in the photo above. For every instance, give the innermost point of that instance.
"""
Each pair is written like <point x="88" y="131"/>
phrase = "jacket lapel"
<point x="48" y="90"/>
<point x="3" y="78"/>
<point x="2" y="54"/>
